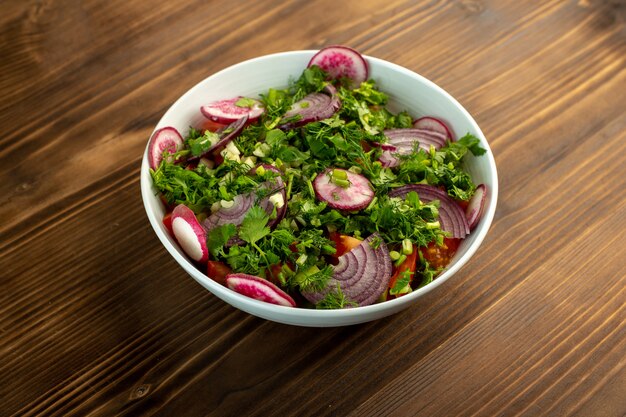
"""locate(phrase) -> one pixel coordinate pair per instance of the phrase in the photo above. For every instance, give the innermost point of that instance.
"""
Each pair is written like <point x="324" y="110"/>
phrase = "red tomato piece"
<point x="439" y="256"/>
<point x="218" y="271"/>
<point x="212" y="126"/>
<point x="167" y="222"/>
<point x="344" y="243"/>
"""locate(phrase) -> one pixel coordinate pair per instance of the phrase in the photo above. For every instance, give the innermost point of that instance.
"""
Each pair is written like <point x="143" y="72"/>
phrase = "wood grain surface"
<point x="97" y="319"/>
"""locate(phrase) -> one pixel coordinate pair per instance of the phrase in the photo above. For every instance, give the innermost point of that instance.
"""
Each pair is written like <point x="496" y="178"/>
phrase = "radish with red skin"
<point x="165" y="139"/>
<point x="474" y="209"/>
<point x="356" y="196"/>
<point x="226" y="111"/>
<point x="341" y="62"/>
<point x="363" y="273"/>
<point x="191" y="236"/>
<point x="433" y="124"/>
<point x="259" y="289"/>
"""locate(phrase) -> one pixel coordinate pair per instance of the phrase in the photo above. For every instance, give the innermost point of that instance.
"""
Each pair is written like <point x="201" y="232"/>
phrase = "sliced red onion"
<point x="476" y="205"/>
<point x="363" y="274"/>
<point x="403" y="142"/>
<point x="243" y="202"/>
<point x="314" y="107"/>
<point x="451" y="215"/>
<point x="433" y="124"/>
<point x="228" y="134"/>
<point x="277" y="184"/>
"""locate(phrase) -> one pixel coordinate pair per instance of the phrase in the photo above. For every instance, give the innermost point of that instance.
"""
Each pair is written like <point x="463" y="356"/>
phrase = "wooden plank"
<point x="97" y="319"/>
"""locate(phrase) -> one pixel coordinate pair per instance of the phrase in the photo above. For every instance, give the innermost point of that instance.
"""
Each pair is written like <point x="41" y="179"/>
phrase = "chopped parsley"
<point x="296" y="253"/>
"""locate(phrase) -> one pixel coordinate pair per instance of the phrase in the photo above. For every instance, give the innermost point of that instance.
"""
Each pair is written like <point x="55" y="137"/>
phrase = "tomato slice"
<point x="343" y="243"/>
<point x="440" y="256"/>
<point x="409" y="264"/>
<point x="272" y="273"/>
<point x="167" y="222"/>
<point x="218" y="271"/>
<point x="212" y="126"/>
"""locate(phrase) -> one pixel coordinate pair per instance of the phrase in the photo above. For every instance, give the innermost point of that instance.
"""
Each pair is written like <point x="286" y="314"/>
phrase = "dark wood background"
<point x="97" y="319"/>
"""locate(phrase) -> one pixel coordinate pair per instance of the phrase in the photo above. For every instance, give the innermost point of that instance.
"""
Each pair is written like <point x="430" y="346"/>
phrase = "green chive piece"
<point x="433" y="225"/>
<point x="394" y="255"/>
<point x="342" y="183"/>
<point x="400" y="260"/>
<point x="339" y="174"/>
<point x="407" y="247"/>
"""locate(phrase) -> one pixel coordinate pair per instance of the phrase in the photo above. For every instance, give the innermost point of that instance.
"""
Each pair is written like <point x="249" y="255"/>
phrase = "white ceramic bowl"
<point x="407" y="90"/>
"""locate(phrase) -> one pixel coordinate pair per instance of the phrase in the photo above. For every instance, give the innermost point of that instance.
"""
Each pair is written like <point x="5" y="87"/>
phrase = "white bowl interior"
<point x="407" y="90"/>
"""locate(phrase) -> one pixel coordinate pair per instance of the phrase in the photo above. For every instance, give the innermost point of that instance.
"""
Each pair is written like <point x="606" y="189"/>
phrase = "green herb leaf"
<point x="335" y="300"/>
<point x="254" y="225"/>
<point x="218" y="237"/>
<point x="201" y="144"/>
<point x="245" y="102"/>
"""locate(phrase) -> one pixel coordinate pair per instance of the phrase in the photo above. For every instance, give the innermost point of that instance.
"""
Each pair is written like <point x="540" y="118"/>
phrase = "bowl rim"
<point x="249" y="304"/>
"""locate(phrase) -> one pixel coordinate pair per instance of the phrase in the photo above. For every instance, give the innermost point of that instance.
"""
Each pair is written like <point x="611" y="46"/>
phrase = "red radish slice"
<point x="403" y="141"/>
<point x="356" y="196"/>
<point x="259" y="289"/>
<point x="314" y="107"/>
<point x="226" y="111"/>
<point x="476" y="205"/>
<point x="363" y="274"/>
<point x="165" y="139"/>
<point x="433" y="124"/>
<point x="341" y="62"/>
<point x="189" y="234"/>
<point x="451" y="215"/>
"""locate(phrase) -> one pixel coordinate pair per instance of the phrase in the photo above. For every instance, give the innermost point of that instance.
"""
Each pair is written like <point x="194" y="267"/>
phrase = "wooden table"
<point x="97" y="319"/>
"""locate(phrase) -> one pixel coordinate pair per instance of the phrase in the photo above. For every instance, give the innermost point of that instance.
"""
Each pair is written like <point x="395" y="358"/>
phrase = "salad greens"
<point x="297" y="253"/>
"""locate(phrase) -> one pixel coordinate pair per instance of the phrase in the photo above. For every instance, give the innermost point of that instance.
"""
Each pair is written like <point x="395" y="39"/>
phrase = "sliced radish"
<point x="226" y="111"/>
<point x="341" y="62"/>
<point x="259" y="289"/>
<point x="435" y="125"/>
<point x="355" y="194"/>
<point x="474" y="210"/>
<point x="165" y="139"/>
<point x="191" y="236"/>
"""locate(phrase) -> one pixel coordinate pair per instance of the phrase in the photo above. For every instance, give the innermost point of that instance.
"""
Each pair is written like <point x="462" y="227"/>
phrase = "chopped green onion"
<point x="302" y="259"/>
<point x="339" y="174"/>
<point x="407" y="247"/>
<point x="394" y="255"/>
<point x="342" y="183"/>
<point x="260" y="170"/>
<point x="400" y="260"/>
<point x="433" y="225"/>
